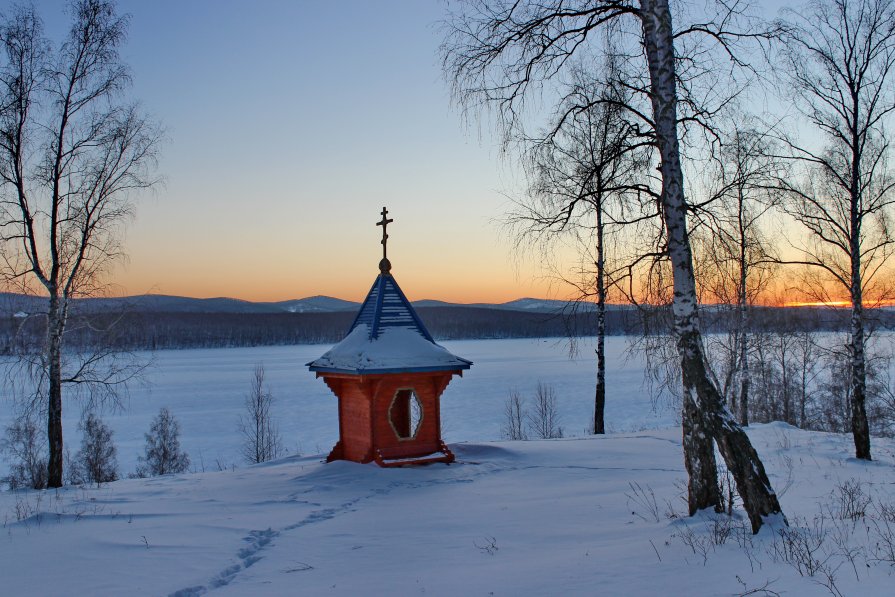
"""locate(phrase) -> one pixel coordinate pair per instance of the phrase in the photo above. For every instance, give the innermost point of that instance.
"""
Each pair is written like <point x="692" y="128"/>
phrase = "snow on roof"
<point x="396" y="349"/>
<point x="387" y="336"/>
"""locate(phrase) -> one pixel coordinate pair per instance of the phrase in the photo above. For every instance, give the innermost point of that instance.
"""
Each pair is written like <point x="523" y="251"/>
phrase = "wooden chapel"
<point x="388" y="375"/>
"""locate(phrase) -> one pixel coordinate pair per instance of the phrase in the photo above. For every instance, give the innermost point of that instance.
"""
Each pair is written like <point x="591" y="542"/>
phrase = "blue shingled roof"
<point x="387" y="336"/>
<point x="385" y="307"/>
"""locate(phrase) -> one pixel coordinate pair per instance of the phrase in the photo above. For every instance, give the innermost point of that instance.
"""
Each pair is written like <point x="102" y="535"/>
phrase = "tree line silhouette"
<point x="175" y="330"/>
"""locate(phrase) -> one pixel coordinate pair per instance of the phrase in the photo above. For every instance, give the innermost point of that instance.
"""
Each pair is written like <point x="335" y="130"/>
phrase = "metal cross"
<point x="384" y="222"/>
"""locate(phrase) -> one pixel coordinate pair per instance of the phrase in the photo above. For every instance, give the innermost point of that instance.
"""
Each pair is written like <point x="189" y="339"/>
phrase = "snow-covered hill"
<point x="587" y="516"/>
<point x="316" y="304"/>
<point x="313" y="304"/>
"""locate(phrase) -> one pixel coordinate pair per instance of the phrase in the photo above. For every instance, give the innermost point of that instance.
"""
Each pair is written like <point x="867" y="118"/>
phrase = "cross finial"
<point x="385" y="265"/>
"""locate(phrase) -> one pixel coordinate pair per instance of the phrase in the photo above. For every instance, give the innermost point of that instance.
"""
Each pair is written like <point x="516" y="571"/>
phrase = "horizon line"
<point x="839" y="304"/>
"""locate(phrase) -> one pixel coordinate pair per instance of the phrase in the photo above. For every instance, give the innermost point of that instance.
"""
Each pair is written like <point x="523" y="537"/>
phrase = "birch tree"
<point x="259" y="430"/>
<point x="838" y="61"/>
<point x="498" y="54"/>
<point x="163" y="454"/>
<point x="73" y="153"/>
<point x="585" y="169"/>
<point x="737" y="259"/>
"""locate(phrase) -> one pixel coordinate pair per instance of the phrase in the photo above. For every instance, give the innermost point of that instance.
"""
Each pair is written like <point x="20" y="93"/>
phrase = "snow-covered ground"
<point x="205" y="389"/>
<point x="578" y="516"/>
<point x="581" y="516"/>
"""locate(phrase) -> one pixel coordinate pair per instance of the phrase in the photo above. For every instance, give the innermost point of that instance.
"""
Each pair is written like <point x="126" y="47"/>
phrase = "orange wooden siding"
<point x="364" y="425"/>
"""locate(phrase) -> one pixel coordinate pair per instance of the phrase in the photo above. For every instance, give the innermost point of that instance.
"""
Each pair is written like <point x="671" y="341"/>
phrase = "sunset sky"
<point x="289" y="125"/>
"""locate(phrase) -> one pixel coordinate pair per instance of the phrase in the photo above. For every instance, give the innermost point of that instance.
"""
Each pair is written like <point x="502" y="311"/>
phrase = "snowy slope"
<point x="514" y="518"/>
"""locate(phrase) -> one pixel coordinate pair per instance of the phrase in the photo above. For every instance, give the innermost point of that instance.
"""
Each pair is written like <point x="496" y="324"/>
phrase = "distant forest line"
<point x="163" y="330"/>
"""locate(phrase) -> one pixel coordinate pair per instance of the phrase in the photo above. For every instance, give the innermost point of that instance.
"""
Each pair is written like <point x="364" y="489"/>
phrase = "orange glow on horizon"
<point x="356" y="285"/>
<point x="835" y="304"/>
<point x="840" y="304"/>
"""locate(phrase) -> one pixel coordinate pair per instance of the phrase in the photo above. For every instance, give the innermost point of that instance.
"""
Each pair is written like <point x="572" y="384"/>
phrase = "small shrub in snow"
<point x="763" y="590"/>
<point x="514" y="417"/>
<point x="261" y="438"/>
<point x="97" y="460"/>
<point x="884" y="511"/>
<point x="723" y="527"/>
<point x="884" y="543"/>
<point x="488" y="545"/>
<point x="28" y="505"/>
<point x="718" y="530"/>
<point x="163" y="455"/>
<point x="543" y="419"/>
<point x="801" y="545"/>
<point x="700" y="544"/>
<point x="25" y="447"/>
<point x="850" y="501"/>
<point x="644" y="499"/>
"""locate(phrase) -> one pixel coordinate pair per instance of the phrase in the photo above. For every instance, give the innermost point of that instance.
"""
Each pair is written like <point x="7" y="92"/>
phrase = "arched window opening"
<point x="405" y="414"/>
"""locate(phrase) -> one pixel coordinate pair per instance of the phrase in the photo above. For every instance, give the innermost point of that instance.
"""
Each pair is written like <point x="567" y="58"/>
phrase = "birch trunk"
<point x="705" y="416"/>
<point x="859" y="423"/>
<point x="743" y="314"/>
<point x="860" y="426"/>
<point x="600" y="397"/>
<point x="55" y="326"/>
<point x="744" y="383"/>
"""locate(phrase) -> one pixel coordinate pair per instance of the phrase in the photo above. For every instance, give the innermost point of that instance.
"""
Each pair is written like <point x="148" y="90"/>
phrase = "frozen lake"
<point x="205" y="389"/>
